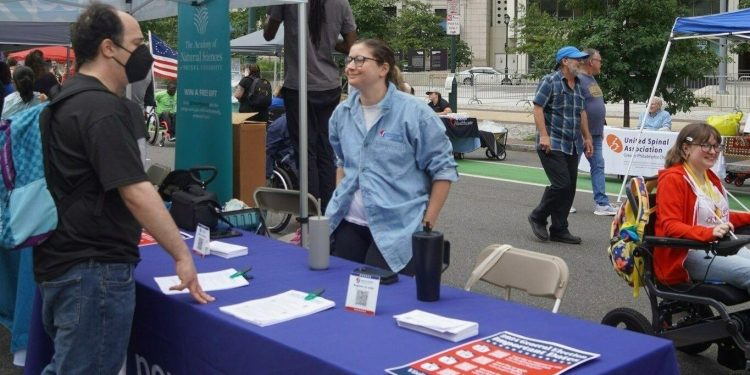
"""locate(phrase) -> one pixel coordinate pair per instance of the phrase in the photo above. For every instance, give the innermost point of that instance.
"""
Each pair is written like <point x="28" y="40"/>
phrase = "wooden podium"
<point x="249" y="156"/>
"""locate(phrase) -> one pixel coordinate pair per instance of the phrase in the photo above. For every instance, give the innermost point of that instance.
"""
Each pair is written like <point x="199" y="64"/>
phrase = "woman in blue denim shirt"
<point x="394" y="164"/>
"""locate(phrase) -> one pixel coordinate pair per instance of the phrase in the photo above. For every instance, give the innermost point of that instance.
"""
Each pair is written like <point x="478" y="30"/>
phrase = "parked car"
<point x="483" y="75"/>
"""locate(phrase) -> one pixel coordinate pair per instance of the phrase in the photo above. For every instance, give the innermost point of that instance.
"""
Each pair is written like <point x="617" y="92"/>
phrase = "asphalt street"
<point x="482" y="211"/>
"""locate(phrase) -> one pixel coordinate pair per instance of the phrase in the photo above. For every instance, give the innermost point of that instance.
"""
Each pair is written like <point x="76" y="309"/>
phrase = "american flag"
<point x="165" y="59"/>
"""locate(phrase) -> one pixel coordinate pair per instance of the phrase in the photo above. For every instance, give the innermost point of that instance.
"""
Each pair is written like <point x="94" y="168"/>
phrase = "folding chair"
<point x="537" y="274"/>
<point x="284" y="201"/>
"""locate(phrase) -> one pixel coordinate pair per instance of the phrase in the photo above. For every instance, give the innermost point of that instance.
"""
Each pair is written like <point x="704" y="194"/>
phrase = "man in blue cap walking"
<point x="559" y="115"/>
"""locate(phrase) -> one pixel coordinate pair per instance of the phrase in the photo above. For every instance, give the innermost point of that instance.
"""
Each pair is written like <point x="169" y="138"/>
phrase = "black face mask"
<point x="139" y="63"/>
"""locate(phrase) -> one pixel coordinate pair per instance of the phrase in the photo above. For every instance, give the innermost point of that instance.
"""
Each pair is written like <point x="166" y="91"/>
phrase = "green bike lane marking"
<point x="536" y="176"/>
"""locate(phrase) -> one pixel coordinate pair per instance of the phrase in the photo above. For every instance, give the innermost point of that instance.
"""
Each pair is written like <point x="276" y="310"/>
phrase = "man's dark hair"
<point x="12" y="61"/>
<point x="98" y="22"/>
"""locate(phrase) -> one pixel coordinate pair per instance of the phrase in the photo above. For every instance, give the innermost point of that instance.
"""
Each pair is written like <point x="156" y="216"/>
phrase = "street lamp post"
<point x="506" y="80"/>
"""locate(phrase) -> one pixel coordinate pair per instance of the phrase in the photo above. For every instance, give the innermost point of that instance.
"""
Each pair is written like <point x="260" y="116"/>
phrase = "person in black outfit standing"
<point x="104" y="199"/>
<point x="243" y="91"/>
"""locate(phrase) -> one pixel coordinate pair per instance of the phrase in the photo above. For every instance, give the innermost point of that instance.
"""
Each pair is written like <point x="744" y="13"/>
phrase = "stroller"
<point x="692" y="316"/>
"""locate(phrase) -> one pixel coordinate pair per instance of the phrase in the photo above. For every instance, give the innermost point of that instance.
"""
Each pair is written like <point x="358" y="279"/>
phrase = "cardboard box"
<point x="249" y="160"/>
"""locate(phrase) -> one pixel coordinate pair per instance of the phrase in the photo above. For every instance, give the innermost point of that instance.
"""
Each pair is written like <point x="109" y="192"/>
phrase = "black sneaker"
<point x="539" y="229"/>
<point x="565" y="238"/>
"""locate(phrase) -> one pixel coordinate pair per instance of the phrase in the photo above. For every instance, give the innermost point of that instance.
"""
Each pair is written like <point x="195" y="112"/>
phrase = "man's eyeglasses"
<point x="706" y="147"/>
<point x="358" y="60"/>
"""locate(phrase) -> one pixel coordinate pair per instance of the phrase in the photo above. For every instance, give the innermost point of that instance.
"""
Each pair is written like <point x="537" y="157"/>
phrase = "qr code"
<point x="361" y="298"/>
<point x="199" y="244"/>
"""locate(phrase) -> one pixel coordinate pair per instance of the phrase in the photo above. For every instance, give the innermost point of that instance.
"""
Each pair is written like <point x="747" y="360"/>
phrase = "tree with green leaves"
<point x="372" y="19"/>
<point x="417" y="28"/>
<point x="166" y="28"/>
<point x="632" y="36"/>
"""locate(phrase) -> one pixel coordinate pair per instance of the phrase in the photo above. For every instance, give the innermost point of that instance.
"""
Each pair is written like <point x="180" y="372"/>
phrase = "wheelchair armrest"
<point x="725" y="246"/>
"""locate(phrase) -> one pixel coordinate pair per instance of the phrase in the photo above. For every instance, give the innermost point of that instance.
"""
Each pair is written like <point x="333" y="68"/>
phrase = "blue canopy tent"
<point x="714" y="26"/>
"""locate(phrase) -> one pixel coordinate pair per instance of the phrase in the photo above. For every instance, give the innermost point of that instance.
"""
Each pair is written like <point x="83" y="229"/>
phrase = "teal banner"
<point x="204" y="107"/>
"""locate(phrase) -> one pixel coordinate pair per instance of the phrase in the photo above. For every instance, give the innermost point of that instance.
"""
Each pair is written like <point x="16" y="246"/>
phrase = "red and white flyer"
<point x="147" y="239"/>
<point x="502" y="353"/>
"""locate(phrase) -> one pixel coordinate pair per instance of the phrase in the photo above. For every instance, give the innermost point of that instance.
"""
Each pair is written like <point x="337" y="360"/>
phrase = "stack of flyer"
<point x="226" y="250"/>
<point x="439" y="326"/>
<point x="279" y="308"/>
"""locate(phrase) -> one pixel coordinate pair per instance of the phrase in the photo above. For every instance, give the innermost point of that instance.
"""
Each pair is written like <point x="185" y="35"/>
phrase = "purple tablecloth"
<point x="171" y="334"/>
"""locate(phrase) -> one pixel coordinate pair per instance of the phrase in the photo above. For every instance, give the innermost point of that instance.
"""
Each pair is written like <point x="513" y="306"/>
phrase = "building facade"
<point x="488" y="27"/>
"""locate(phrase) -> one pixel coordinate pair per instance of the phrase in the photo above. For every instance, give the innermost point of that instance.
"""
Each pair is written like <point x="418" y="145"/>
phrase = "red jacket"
<point x="675" y="210"/>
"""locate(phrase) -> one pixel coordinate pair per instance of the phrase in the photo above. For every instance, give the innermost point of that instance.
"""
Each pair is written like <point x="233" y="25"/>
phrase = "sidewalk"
<point x="519" y="119"/>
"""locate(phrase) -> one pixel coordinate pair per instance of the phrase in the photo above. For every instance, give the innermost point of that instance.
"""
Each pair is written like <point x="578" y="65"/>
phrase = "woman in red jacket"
<point x="692" y="204"/>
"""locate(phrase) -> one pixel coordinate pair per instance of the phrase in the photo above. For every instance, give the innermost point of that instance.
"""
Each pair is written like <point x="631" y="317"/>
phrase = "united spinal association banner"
<point x="619" y="145"/>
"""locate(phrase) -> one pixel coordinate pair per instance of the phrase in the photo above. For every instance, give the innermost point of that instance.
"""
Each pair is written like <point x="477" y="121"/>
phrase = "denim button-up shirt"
<point x="562" y="111"/>
<point x="393" y="164"/>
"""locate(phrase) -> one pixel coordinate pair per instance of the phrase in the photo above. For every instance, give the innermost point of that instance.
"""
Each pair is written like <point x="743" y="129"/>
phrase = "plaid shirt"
<point x="562" y="111"/>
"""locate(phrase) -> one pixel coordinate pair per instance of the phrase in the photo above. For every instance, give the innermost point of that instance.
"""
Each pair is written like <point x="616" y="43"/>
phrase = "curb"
<point x="520" y="147"/>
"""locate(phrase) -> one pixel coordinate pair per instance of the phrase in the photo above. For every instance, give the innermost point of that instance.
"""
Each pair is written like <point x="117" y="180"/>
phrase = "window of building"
<point x="390" y="11"/>
<point x="702" y="7"/>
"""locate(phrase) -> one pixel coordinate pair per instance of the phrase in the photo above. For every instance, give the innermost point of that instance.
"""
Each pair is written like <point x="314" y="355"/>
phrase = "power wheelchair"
<point x="685" y="314"/>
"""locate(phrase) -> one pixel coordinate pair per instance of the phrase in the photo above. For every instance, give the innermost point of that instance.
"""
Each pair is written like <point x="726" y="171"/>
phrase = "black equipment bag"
<point x="191" y="203"/>
<point x="193" y="206"/>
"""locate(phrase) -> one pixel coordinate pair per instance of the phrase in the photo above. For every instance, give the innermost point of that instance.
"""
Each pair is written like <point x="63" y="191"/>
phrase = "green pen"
<point x="240" y="273"/>
<point x="313" y="294"/>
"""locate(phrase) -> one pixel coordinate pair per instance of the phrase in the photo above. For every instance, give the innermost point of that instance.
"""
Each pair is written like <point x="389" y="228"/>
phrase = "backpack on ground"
<point x="28" y="215"/>
<point x="260" y="94"/>
<point x="627" y="230"/>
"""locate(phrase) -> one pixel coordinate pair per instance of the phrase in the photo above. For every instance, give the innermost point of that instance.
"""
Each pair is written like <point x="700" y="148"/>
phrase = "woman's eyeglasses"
<point x="706" y="147"/>
<point x="358" y="60"/>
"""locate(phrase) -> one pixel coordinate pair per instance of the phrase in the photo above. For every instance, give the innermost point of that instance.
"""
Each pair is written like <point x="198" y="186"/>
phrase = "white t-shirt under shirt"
<point x="357" y="214"/>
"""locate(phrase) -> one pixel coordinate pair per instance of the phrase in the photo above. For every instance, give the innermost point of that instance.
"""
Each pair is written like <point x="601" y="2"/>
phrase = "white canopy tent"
<point x="254" y="43"/>
<point x="715" y="26"/>
<point x="142" y="10"/>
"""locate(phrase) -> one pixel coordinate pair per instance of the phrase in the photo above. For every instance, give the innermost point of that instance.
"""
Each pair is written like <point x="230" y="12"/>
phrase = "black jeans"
<point x="355" y="242"/>
<point x="321" y="169"/>
<point x="562" y="172"/>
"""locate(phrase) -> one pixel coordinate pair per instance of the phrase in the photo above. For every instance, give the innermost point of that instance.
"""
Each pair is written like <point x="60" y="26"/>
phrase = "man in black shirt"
<point x="438" y="104"/>
<point x="103" y="197"/>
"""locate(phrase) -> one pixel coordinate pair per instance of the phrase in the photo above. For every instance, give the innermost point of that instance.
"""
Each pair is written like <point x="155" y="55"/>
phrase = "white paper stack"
<point x="279" y="308"/>
<point x="439" y="326"/>
<point x="226" y="250"/>
<point x="210" y="281"/>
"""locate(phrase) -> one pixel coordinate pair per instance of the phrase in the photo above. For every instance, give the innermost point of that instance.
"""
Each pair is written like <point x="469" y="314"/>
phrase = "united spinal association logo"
<point x="614" y="143"/>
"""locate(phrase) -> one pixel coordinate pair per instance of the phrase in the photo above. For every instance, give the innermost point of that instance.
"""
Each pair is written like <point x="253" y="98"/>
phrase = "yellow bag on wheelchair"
<point x="728" y="125"/>
<point x="626" y="233"/>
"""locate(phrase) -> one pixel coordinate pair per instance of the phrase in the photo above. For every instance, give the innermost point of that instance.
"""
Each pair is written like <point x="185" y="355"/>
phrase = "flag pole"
<point x="151" y="51"/>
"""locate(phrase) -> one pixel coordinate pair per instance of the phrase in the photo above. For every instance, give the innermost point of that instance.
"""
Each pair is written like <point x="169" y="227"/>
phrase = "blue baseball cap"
<point x="569" y="52"/>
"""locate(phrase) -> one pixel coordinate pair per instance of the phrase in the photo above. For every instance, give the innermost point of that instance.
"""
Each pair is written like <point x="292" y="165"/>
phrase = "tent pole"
<point x="643" y="121"/>
<point x="302" y="66"/>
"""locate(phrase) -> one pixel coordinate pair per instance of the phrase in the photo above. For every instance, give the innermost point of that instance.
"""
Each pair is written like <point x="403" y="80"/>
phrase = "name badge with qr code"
<point x="202" y="239"/>
<point x="362" y="295"/>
